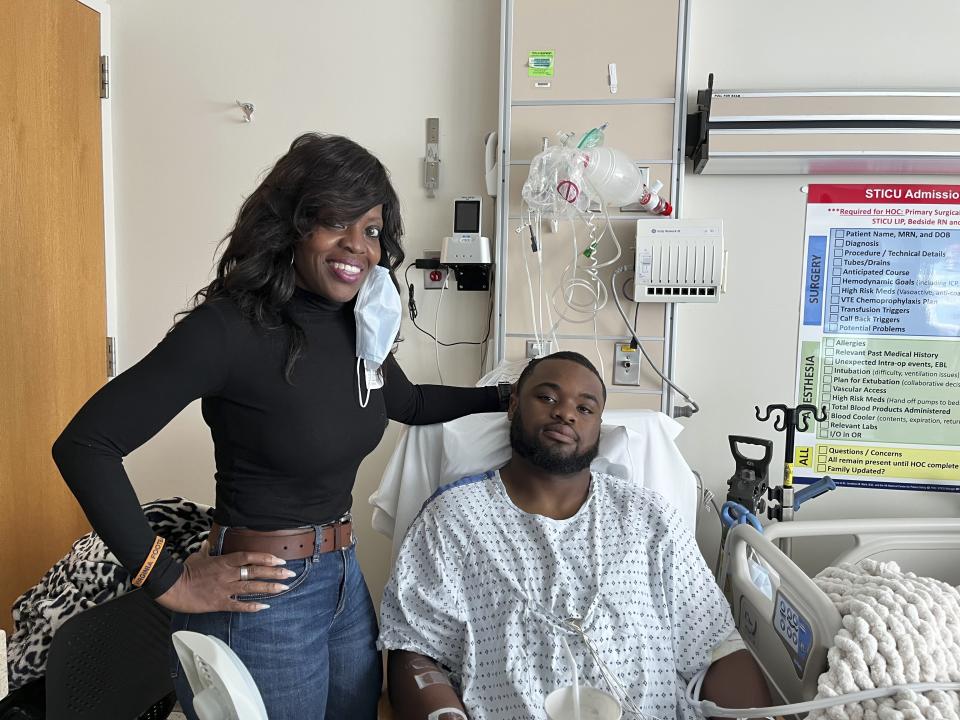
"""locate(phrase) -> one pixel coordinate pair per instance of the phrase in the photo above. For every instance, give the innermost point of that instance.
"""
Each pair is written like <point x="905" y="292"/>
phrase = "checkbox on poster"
<point x="838" y="242"/>
<point x="831" y="342"/>
<point x="827" y="361"/>
<point x="834" y="308"/>
<point x="831" y="328"/>
<point x="828" y="371"/>
<point x="838" y="253"/>
<point x="835" y="280"/>
<point x="837" y="262"/>
<point x="834" y="317"/>
<point x="829" y="351"/>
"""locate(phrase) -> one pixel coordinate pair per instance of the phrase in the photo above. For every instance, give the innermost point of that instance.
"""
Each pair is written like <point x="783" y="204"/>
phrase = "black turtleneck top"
<point x="286" y="453"/>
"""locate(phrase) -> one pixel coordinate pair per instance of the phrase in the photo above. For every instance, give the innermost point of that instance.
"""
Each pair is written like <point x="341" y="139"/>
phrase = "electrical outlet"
<point x="626" y="364"/>
<point x="434" y="278"/>
<point x="536" y="349"/>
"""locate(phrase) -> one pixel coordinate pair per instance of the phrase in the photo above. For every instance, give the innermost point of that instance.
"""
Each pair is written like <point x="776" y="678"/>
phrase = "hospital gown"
<point x="483" y="588"/>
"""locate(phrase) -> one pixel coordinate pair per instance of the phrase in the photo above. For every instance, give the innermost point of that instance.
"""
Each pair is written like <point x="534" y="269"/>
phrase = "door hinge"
<point x="111" y="357"/>
<point x="104" y="77"/>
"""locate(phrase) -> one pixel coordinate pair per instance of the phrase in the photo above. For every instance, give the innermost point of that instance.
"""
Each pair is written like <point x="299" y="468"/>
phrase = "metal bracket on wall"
<point x="104" y="77"/>
<point x="111" y="357"/>
<point x="431" y="158"/>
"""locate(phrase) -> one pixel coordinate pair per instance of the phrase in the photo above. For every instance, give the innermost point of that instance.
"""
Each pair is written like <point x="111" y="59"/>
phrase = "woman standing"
<point x="289" y="350"/>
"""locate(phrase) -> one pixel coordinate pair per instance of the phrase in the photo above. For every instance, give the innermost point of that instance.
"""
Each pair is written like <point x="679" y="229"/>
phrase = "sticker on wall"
<point x="540" y="63"/>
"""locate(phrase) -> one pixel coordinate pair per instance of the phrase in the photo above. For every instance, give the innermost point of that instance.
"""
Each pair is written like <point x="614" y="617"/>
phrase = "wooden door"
<point x="52" y="290"/>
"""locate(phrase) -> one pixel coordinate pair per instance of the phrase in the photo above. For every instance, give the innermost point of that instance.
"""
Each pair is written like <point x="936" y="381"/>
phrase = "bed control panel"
<point x="794" y="631"/>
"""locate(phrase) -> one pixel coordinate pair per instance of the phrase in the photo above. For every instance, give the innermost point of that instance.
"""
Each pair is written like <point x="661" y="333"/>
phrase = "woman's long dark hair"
<point x="323" y="180"/>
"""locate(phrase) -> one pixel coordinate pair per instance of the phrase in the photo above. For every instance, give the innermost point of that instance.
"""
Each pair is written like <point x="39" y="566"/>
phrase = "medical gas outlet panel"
<point x="679" y="261"/>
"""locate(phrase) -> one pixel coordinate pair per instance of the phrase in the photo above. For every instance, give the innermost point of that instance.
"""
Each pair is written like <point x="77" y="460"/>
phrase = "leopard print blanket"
<point x="89" y="575"/>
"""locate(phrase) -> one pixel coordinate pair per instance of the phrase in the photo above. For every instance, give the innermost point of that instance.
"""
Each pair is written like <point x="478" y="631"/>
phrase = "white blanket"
<point x="637" y="445"/>
<point x="897" y="628"/>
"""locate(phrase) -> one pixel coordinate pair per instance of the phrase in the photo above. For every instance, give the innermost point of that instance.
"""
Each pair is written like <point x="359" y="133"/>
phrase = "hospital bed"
<point x="786" y="620"/>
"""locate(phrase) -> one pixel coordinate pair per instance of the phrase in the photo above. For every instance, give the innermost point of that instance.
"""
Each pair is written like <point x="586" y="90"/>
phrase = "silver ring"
<point x="244" y="572"/>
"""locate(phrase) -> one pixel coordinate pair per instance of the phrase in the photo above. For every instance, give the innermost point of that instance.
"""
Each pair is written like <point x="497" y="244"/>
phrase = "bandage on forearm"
<point x="432" y="677"/>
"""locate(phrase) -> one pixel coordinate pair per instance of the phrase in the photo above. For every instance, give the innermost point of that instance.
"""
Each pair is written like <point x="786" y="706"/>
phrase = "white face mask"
<point x="377" y="312"/>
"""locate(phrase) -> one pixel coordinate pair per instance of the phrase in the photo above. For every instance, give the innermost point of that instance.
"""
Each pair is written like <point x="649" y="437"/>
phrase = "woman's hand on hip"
<point x="211" y="583"/>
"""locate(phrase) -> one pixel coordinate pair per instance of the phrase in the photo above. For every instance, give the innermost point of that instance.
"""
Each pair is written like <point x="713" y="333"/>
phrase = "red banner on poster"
<point x="880" y="193"/>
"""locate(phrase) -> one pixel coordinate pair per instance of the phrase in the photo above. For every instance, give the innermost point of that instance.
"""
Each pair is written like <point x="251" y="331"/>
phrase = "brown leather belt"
<point x="292" y="544"/>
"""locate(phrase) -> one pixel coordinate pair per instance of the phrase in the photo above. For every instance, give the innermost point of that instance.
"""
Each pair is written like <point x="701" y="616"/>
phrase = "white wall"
<point x="184" y="161"/>
<point x="741" y="353"/>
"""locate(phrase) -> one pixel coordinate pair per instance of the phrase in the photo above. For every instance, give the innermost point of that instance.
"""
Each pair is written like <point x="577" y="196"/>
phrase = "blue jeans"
<point x="313" y="652"/>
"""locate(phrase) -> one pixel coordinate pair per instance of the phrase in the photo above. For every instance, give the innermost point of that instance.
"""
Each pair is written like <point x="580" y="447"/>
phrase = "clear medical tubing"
<point x="708" y="709"/>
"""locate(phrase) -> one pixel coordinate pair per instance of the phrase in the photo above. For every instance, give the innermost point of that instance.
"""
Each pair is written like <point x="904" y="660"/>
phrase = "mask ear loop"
<point x="363" y="402"/>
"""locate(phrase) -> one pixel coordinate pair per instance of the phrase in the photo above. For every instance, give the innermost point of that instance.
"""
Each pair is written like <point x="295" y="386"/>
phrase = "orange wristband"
<point x="150" y="562"/>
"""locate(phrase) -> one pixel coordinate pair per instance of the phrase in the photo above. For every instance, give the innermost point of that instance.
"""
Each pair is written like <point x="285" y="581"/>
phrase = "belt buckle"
<point x="338" y="538"/>
<point x="346" y="517"/>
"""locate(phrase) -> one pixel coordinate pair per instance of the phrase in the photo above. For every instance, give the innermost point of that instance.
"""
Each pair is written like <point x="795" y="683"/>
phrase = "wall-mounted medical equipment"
<point x="466" y="245"/>
<point x="223" y="688"/>
<point x="818" y="132"/>
<point x="571" y="91"/>
<point x="466" y="251"/>
<point x="679" y="261"/>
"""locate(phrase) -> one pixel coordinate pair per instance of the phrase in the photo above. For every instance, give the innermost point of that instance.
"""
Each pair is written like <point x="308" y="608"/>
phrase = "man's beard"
<point x="547" y="458"/>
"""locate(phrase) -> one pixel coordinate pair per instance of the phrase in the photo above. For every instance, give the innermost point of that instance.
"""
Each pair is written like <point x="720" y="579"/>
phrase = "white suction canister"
<point x="613" y="176"/>
<point x="223" y="688"/>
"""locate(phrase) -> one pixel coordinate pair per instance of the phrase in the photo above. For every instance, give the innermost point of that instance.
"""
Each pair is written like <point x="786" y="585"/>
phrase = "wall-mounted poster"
<point x="879" y="336"/>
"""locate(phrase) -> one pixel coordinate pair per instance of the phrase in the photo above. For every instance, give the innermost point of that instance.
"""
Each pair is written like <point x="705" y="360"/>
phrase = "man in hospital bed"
<point x="498" y="567"/>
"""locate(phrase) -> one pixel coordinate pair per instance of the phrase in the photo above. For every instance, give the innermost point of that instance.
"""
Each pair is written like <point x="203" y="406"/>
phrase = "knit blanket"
<point x="89" y="575"/>
<point x="897" y="628"/>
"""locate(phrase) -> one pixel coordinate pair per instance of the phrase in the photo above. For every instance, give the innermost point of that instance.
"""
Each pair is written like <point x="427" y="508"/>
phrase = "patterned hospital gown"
<point x="483" y="588"/>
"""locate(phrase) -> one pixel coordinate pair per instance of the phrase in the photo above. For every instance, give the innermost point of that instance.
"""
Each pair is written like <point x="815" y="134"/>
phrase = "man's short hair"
<point x="562" y="355"/>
